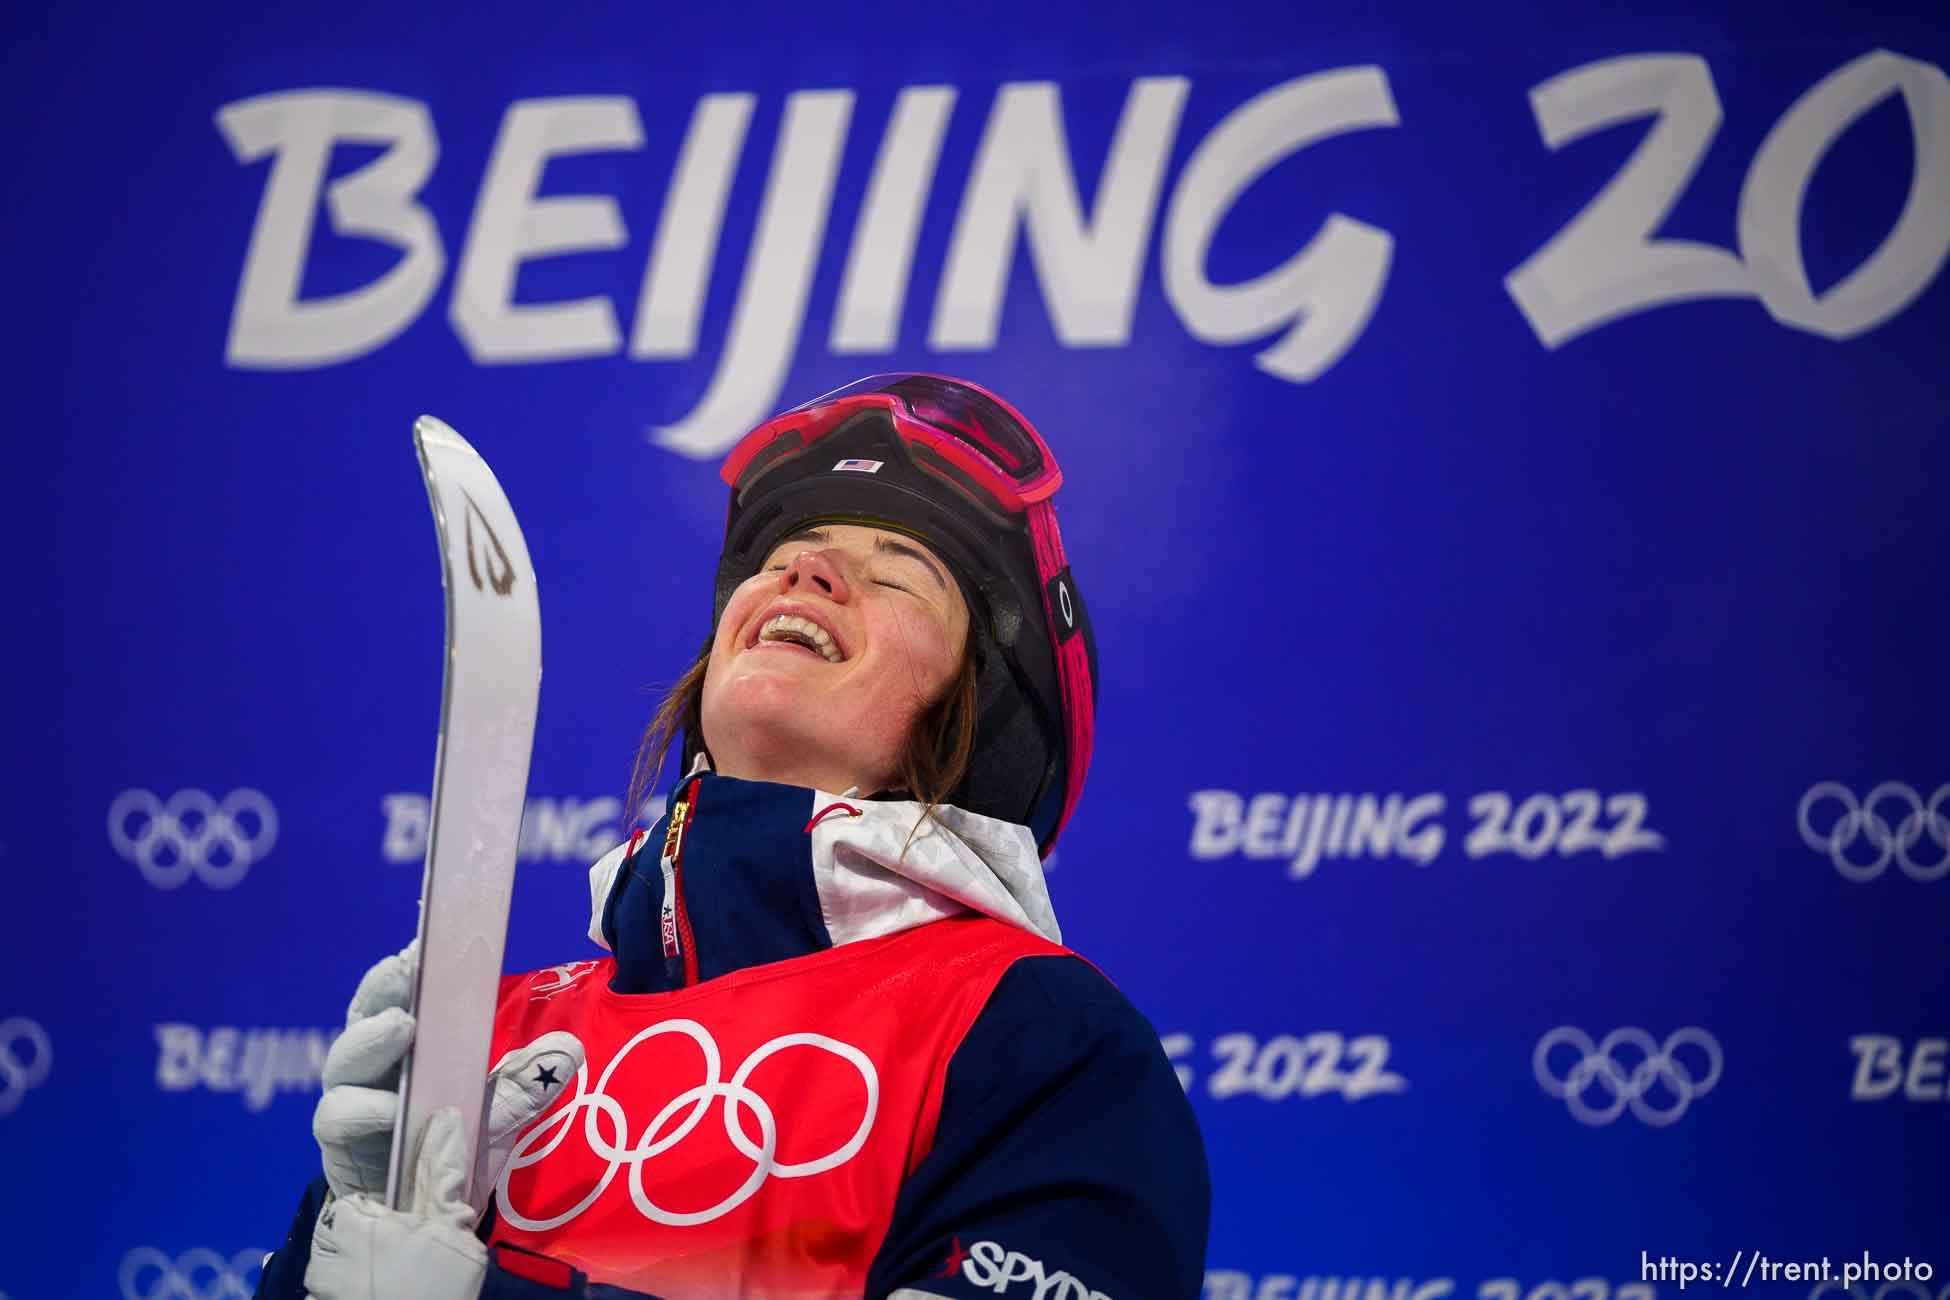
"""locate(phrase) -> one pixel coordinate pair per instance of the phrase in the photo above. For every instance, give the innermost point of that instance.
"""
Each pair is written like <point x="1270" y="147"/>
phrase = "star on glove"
<point x="360" y="1104"/>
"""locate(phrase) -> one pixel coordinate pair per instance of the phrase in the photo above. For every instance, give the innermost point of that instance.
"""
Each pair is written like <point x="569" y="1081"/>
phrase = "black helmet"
<point x="958" y="468"/>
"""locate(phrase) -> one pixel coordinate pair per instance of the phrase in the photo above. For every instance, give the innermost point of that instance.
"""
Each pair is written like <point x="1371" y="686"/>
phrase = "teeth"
<point x="790" y="627"/>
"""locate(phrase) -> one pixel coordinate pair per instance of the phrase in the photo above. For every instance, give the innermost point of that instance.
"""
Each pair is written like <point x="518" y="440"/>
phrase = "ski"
<point x="490" y="690"/>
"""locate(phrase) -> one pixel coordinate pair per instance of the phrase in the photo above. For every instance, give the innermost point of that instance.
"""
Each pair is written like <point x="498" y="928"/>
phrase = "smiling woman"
<point x="845" y="662"/>
<point x="837" y="938"/>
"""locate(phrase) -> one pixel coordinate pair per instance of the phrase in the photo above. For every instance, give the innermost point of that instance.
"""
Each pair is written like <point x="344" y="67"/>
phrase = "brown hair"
<point x="931" y="764"/>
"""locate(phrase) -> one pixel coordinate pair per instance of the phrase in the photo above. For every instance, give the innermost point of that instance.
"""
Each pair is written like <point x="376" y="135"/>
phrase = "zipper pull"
<point x="674" y="923"/>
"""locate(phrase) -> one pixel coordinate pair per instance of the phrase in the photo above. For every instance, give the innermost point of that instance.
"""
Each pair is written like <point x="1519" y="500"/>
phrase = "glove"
<point x="360" y="1250"/>
<point x="354" y="1119"/>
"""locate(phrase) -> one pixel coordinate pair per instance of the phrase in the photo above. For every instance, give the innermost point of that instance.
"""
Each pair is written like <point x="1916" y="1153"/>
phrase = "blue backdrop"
<point x="1506" y="465"/>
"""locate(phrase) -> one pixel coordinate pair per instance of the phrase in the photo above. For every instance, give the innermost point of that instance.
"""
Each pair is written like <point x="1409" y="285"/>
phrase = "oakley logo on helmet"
<point x="1064" y="605"/>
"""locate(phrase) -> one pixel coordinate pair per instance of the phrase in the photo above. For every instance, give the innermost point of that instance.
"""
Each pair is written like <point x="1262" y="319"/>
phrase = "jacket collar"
<point x="757" y="872"/>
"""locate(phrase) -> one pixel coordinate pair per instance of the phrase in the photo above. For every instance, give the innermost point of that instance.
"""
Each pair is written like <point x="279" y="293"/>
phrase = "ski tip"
<point x="432" y="431"/>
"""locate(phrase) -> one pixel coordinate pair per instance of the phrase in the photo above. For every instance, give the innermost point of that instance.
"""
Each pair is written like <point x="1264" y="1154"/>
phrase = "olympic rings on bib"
<point x="192" y="833"/>
<point x="619" y="1151"/>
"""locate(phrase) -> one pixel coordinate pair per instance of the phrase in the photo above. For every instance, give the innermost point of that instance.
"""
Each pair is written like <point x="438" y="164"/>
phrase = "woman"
<point x="836" y="1048"/>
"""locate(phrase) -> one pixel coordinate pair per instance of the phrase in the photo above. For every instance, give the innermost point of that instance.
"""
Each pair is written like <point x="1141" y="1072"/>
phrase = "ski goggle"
<point x="967" y="436"/>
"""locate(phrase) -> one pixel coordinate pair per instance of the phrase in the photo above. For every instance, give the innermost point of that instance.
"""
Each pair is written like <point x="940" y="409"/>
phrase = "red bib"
<point x="746" y="1136"/>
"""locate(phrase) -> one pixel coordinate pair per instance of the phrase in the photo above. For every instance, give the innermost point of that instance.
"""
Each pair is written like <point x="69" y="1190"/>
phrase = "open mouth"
<point x="798" y="630"/>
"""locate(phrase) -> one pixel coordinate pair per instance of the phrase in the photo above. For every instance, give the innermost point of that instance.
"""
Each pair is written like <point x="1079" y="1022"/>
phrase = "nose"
<point x="816" y="569"/>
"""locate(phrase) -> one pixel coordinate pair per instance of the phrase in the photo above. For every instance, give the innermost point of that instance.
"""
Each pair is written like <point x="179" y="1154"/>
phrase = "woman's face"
<point x="825" y="657"/>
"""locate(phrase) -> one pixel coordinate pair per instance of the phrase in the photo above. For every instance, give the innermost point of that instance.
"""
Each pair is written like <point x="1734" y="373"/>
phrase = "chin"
<point x="762" y="694"/>
<point x="765" y="726"/>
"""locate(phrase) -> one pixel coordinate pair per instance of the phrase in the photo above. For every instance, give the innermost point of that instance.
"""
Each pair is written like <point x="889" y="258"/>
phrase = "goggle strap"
<point x="1072" y="662"/>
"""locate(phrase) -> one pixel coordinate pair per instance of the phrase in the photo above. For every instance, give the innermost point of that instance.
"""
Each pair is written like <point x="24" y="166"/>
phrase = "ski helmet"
<point x="958" y="468"/>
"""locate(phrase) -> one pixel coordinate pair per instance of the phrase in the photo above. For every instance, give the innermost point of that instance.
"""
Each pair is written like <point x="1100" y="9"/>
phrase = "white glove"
<point x="360" y="1250"/>
<point x="354" y="1120"/>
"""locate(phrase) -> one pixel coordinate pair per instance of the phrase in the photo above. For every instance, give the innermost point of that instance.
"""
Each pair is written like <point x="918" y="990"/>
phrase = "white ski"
<point x="480" y="776"/>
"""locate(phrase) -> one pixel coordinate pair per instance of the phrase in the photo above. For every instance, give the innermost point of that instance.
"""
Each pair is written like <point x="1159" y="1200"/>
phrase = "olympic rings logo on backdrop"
<point x="1886" y="1291"/>
<point x="1623" y="1084"/>
<point x="620" y="1152"/>
<point x="196" y="1274"/>
<point x="18" y="1076"/>
<point x="192" y="833"/>
<point x="1863" y="821"/>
